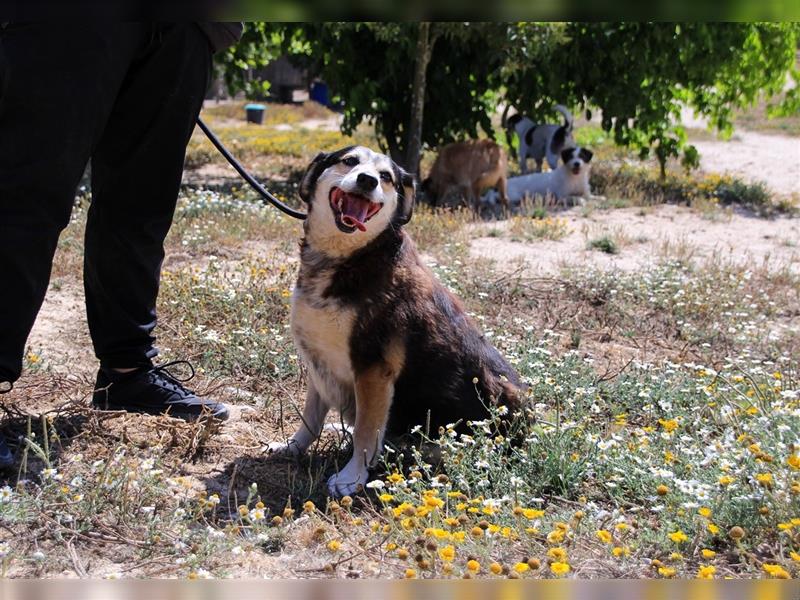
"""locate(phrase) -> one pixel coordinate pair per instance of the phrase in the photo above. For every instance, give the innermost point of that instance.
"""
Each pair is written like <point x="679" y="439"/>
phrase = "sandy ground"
<point x="645" y="236"/>
<point x="773" y="159"/>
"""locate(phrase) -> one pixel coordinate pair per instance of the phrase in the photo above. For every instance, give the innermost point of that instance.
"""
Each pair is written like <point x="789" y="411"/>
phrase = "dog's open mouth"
<point x="352" y="211"/>
<point x="576" y="169"/>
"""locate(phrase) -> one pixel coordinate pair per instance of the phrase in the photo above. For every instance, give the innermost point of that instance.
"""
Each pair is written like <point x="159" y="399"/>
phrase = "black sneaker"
<point x="155" y="391"/>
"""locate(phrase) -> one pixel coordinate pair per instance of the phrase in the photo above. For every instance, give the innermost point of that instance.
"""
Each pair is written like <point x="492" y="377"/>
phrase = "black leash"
<point x="247" y="177"/>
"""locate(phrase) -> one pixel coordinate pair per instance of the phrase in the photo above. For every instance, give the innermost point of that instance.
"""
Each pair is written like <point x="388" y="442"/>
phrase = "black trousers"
<point x="127" y="96"/>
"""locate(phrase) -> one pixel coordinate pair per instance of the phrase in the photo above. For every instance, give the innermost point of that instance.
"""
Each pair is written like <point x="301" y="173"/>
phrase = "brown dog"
<point x="384" y="342"/>
<point x="470" y="167"/>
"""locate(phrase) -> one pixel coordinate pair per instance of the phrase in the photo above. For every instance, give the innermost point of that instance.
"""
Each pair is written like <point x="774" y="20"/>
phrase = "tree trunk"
<point x="425" y="41"/>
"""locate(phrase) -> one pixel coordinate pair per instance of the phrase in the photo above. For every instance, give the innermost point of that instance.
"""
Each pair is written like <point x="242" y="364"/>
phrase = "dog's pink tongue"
<point x="354" y="211"/>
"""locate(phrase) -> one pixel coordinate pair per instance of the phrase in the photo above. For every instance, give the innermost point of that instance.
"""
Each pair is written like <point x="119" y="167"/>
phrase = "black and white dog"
<point x="540" y="141"/>
<point x="570" y="180"/>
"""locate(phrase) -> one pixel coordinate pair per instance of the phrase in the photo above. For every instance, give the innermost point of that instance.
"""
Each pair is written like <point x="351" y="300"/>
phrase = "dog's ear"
<point x="566" y="154"/>
<point x="309" y="181"/>
<point x="406" y="196"/>
<point x="321" y="162"/>
<point x="586" y="155"/>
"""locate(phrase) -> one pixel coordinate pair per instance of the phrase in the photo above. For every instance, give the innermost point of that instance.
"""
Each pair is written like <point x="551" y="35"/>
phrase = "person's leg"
<point x="57" y="83"/>
<point x="136" y="173"/>
<point x="56" y="87"/>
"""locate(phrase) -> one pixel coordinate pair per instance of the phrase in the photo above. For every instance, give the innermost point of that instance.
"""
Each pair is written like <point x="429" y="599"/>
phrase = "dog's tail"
<point x="568" y="120"/>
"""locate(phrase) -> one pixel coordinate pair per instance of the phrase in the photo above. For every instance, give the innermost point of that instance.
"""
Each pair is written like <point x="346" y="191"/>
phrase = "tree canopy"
<point x="638" y="75"/>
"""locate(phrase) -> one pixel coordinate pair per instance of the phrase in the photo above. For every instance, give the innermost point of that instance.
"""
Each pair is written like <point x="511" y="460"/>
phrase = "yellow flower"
<point x="395" y="478"/>
<point x="678" y="537"/>
<point x="669" y="425"/>
<point x="708" y="554"/>
<point x="622" y="526"/>
<point x="794" y="462"/>
<point x="559" y="569"/>
<point x="558" y="554"/>
<point x="496" y="568"/>
<point x="308" y="506"/>
<point x="713" y="529"/>
<point x="532" y="513"/>
<point x="385" y="498"/>
<point x="473" y="565"/>
<point x="725" y="480"/>
<point x="556" y="536"/>
<point x="521" y="567"/>
<point x="433" y="502"/>
<point x="704" y="511"/>
<point x="619" y="551"/>
<point x="334" y="545"/>
<point x="604" y="536"/>
<point x="410" y="574"/>
<point x="765" y="479"/>
<point x="776" y="571"/>
<point x="404" y="508"/>
<point x="666" y="571"/>
<point x="662" y="490"/>
<point x="706" y="572"/>
<point x="794" y="556"/>
<point x="447" y="553"/>
<point x="476" y="531"/>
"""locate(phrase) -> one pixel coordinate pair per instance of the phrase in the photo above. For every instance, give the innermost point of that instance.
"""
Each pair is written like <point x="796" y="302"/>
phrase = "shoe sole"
<point x="185" y="416"/>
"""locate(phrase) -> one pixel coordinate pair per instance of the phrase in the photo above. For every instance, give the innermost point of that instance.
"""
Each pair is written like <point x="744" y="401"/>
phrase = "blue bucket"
<point x="255" y="113"/>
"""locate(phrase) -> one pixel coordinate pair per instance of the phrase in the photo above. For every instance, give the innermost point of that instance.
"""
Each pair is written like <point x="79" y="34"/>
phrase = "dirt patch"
<point x="643" y="237"/>
<point x="60" y="335"/>
<point x="772" y="159"/>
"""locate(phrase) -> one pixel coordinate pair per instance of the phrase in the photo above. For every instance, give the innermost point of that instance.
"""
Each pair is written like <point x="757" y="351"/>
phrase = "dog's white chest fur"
<point x="322" y="335"/>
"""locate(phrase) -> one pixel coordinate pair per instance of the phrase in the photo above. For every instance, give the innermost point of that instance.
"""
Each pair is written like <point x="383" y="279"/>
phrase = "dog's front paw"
<point x="347" y="482"/>
<point x="287" y="448"/>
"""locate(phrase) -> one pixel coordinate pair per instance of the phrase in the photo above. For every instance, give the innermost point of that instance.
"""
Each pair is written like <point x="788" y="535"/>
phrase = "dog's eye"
<point x="350" y="161"/>
<point x="386" y="176"/>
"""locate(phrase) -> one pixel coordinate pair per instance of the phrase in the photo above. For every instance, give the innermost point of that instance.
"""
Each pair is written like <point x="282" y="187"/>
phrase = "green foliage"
<point x="370" y="68"/>
<point x="261" y="43"/>
<point x="640" y="75"/>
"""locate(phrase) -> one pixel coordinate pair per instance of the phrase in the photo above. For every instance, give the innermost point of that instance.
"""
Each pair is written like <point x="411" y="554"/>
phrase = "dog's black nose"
<point x="366" y="182"/>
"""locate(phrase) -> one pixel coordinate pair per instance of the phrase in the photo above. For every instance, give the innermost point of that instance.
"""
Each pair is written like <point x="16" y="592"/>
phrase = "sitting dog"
<point x="384" y="342"/>
<point x="470" y="167"/>
<point x="570" y="180"/>
<point x="540" y="141"/>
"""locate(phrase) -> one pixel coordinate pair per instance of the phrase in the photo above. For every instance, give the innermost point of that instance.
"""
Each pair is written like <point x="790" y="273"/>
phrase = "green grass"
<point x="603" y="244"/>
